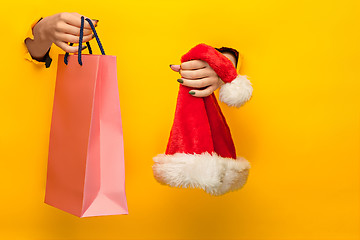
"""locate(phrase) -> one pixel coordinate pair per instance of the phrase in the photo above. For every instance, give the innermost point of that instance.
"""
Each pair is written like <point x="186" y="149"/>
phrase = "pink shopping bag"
<point x="86" y="175"/>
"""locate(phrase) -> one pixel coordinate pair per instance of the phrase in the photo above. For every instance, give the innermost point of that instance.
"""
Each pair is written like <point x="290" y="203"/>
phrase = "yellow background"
<point x="300" y="131"/>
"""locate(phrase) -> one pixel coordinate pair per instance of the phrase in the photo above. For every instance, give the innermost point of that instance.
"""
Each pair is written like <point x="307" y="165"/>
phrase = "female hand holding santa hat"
<point x="199" y="75"/>
<point x="204" y="78"/>
<point x="200" y="152"/>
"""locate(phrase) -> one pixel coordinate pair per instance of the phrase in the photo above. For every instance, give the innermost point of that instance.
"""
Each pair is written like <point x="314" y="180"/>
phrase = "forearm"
<point x="38" y="46"/>
<point x="231" y="57"/>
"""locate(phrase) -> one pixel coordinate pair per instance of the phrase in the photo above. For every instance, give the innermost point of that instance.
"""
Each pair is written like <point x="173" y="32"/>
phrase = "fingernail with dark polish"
<point x="192" y="93"/>
<point x="93" y="36"/>
<point x="84" y="47"/>
<point x="96" y="22"/>
<point x="180" y="81"/>
<point x="171" y="65"/>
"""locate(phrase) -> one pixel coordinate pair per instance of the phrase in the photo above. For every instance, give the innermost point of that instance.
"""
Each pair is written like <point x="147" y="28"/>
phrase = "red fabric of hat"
<point x="200" y="152"/>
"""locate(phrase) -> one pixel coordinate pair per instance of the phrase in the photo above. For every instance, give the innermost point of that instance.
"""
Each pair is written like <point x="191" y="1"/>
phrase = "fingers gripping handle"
<point x="87" y="43"/>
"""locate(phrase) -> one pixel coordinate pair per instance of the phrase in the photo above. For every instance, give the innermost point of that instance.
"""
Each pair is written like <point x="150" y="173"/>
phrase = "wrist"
<point x="39" y="45"/>
<point x="39" y="33"/>
<point x="231" y="57"/>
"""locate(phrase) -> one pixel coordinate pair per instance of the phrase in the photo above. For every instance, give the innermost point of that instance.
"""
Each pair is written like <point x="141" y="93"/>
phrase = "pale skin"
<point x="60" y="29"/>
<point x="199" y="75"/>
<point x="64" y="28"/>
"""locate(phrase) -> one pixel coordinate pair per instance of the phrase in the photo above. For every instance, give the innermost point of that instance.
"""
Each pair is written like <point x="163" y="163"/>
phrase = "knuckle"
<point x="198" y="84"/>
<point x="63" y="15"/>
<point x="203" y="84"/>
<point x="194" y="84"/>
<point x="213" y="80"/>
<point x="202" y="63"/>
<point x="210" y="71"/>
<point x="72" y="49"/>
<point x="207" y="91"/>
<point x="66" y="48"/>
<point x="58" y="26"/>
<point x="183" y="66"/>
<point x="56" y="35"/>
<point x="213" y="73"/>
<point x="74" y="39"/>
<point x="65" y="38"/>
<point x="191" y="64"/>
<point x="194" y="74"/>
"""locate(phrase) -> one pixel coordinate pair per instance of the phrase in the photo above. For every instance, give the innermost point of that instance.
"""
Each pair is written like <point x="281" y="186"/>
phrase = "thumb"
<point x="175" y="68"/>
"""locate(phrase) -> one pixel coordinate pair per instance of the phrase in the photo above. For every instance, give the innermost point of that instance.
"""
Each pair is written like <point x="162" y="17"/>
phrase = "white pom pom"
<point x="237" y="92"/>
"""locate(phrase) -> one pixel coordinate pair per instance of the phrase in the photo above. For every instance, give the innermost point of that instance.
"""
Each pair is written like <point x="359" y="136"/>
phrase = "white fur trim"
<point x="211" y="172"/>
<point x="237" y="92"/>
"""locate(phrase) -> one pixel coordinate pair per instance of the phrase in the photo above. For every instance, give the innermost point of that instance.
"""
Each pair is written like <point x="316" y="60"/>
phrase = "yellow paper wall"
<point x="300" y="131"/>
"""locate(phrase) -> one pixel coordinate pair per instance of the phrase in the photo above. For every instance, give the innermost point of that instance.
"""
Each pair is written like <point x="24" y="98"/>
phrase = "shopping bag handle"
<point x="87" y="43"/>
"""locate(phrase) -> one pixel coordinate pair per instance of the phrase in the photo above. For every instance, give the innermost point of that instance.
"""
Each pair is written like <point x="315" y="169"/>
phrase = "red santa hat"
<point x="200" y="152"/>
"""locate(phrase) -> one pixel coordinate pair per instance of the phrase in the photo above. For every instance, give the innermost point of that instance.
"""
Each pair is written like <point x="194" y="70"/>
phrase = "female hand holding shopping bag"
<point x="59" y="29"/>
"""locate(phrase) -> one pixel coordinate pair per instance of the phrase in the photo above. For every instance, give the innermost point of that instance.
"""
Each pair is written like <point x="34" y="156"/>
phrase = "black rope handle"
<point x="89" y="47"/>
<point x="80" y="40"/>
<point x="87" y="43"/>
<point x="96" y="36"/>
<point x="67" y="55"/>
